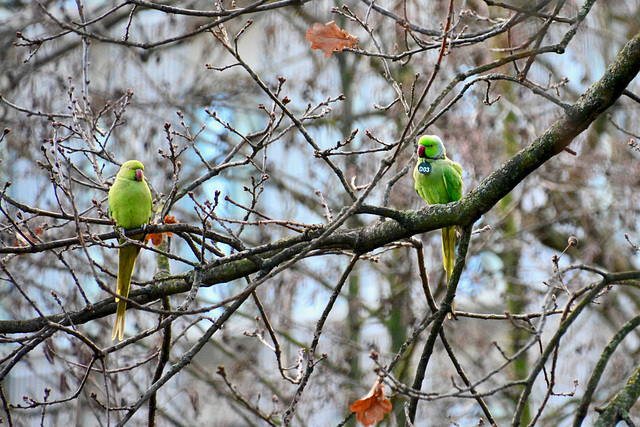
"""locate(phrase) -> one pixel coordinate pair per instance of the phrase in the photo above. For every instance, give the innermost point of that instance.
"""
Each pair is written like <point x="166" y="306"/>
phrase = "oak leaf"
<point x="373" y="406"/>
<point x="330" y="38"/>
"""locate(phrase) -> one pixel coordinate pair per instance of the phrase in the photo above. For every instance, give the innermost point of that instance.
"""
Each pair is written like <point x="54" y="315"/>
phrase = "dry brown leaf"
<point x="330" y="38"/>
<point x="373" y="406"/>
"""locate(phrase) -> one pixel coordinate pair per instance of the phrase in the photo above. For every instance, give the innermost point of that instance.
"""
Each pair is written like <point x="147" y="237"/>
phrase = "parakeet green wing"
<point x="452" y="175"/>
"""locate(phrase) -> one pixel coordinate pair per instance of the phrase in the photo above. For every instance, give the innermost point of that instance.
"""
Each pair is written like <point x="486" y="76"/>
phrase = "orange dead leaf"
<point x="373" y="406"/>
<point x="170" y="220"/>
<point x="156" y="238"/>
<point x="330" y="38"/>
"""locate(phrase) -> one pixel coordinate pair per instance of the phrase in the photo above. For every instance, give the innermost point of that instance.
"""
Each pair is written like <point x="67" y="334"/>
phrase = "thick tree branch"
<point x="617" y="410"/>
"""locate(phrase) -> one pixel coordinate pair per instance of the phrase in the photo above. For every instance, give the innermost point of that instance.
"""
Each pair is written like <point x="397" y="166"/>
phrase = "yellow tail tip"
<point x="118" y="331"/>
<point x="118" y="328"/>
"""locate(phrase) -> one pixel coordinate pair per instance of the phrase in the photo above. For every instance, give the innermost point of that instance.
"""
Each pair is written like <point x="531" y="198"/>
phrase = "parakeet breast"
<point x="439" y="181"/>
<point x="130" y="203"/>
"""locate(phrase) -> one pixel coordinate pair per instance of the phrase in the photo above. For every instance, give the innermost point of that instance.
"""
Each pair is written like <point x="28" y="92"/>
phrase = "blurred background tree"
<point x="298" y="269"/>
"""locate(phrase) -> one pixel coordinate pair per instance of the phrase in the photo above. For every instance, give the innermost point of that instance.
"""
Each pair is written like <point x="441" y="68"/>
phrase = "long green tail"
<point x="127" y="260"/>
<point x="449" y="252"/>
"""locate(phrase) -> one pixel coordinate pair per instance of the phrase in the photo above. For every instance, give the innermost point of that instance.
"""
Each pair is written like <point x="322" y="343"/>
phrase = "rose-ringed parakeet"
<point x="130" y="206"/>
<point x="438" y="180"/>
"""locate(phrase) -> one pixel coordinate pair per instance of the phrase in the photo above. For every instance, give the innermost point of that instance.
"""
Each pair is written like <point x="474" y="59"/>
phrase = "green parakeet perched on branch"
<point x="438" y="180"/>
<point x="131" y="206"/>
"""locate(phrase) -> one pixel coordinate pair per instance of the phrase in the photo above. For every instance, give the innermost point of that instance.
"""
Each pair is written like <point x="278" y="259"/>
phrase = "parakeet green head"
<point x="431" y="147"/>
<point x="133" y="170"/>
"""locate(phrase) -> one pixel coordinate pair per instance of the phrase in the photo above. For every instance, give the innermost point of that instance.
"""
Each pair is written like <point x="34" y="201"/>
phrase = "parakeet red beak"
<point x="420" y="150"/>
<point x="139" y="174"/>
